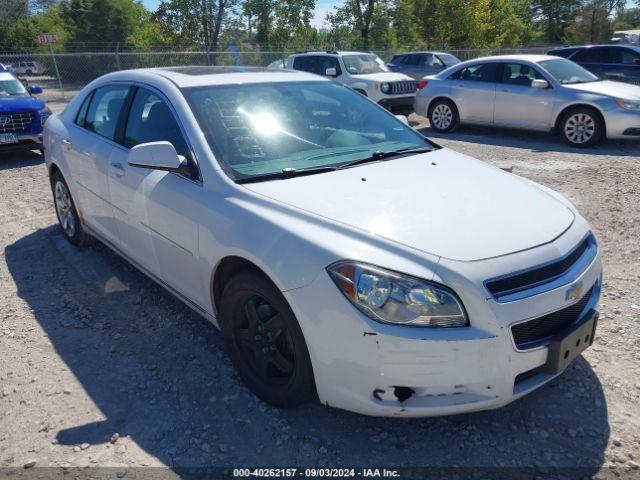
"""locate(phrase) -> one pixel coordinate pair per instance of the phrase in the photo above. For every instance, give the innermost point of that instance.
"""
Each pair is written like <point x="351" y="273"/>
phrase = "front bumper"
<point x="622" y="124"/>
<point x="398" y="105"/>
<point x="386" y="370"/>
<point x="26" y="141"/>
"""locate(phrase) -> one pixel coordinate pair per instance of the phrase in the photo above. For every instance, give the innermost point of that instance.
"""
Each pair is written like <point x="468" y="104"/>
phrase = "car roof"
<point x="7" y="76"/>
<point x="421" y="52"/>
<point x="613" y="45"/>
<point x="193" y="76"/>
<point x="340" y="52"/>
<point x="522" y="57"/>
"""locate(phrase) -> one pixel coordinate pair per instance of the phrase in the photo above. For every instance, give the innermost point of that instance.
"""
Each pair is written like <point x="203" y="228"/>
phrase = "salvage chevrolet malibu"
<point x="344" y="257"/>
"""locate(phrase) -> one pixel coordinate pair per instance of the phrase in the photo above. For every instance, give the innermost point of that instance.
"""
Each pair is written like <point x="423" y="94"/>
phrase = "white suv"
<point x="366" y="73"/>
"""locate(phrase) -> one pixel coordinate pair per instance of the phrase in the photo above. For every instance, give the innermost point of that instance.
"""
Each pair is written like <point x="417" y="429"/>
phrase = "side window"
<point x="82" y="112"/>
<point x="623" y="55"/>
<point x="481" y="72"/>
<point x="411" y="60"/>
<point x="151" y="120"/>
<point x="104" y="110"/>
<point x="316" y="64"/>
<point x="430" y="60"/>
<point x="519" y="74"/>
<point x="590" y="55"/>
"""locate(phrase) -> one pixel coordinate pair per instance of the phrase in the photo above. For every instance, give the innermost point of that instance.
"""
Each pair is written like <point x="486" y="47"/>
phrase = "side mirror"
<point x="158" y="156"/>
<point x="403" y="119"/>
<point x="35" y="89"/>
<point x="540" y="83"/>
<point x="331" y="72"/>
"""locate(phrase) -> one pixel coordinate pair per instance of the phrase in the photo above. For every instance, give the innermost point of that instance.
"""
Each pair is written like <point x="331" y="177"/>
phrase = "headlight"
<point x="44" y="114"/>
<point x="391" y="297"/>
<point x="385" y="87"/>
<point x="628" y="104"/>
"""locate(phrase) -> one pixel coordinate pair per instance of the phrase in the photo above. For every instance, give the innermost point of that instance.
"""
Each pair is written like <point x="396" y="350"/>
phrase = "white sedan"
<point x="345" y="257"/>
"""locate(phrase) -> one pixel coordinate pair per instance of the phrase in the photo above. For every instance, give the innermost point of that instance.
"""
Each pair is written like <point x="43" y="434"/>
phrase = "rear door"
<point x="473" y="89"/>
<point x="518" y="104"/>
<point x="158" y="211"/>
<point x="88" y="149"/>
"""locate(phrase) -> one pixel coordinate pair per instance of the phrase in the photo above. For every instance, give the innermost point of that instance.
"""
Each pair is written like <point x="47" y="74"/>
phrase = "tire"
<point x="443" y="116"/>
<point x="582" y="127"/>
<point x="265" y="342"/>
<point x="68" y="218"/>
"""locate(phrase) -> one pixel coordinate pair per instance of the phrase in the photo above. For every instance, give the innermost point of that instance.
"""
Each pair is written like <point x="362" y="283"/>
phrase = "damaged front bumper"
<point x="389" y="370"/>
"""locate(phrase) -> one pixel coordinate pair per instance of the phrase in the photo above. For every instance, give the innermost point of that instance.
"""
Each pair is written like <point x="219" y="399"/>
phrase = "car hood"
<point x="607" y="87"/>
<point x="441" y="202"/>
<point x="14" y="104"/>
<point x="384" y="77"/>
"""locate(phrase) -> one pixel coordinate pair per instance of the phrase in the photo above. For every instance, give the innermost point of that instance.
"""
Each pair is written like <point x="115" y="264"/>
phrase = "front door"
<point x="157" y="211"/>
<point x="518" y="104"/>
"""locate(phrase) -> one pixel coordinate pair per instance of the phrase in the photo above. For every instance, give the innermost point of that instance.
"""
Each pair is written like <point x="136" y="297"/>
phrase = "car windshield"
<point x="363" y="64"/>
<point x="264" y="129"/>
<point x="10" y="85"/>
<point x="448" y="59"/>
<point x="566" y="72"/>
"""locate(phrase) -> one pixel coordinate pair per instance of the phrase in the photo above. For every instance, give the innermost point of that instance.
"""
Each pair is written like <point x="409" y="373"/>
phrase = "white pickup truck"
<point x="364" y="72"/>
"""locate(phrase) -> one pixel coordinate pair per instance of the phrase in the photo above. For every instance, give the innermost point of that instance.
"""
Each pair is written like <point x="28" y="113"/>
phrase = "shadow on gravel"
<point x="159" y="375"/>
<point x="529" y="140"/>
<point x="12" y="160"/>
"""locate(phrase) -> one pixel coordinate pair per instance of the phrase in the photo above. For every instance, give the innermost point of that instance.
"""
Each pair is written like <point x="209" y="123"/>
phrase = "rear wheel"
<point x="443" y="116"/>
<point x="265" y="341"/>
<point x="66" y="212"/>
<point x="582" y="127"/>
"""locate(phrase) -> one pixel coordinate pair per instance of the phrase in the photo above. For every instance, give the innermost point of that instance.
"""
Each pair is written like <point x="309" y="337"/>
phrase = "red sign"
<point x="47" y="38"/>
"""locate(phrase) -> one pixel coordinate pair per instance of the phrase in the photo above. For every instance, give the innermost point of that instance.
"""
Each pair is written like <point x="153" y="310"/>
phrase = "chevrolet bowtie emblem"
<point x="574" y="292"/>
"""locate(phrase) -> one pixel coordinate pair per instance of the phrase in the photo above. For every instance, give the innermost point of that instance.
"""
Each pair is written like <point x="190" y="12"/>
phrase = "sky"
<point x="322" y="8"/>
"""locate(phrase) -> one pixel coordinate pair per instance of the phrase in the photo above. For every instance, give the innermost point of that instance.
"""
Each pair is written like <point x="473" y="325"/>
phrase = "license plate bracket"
<point x="565" y="347"/>
<point x="8" y="138"/>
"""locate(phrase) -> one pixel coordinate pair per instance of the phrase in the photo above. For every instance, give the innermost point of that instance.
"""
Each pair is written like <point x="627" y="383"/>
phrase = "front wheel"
<point x="265" y="341"/>
<point x="443" y="116"/>
<point x="582" y="127"/>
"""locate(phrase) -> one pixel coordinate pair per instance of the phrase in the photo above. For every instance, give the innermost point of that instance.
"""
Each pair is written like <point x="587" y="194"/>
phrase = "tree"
<point x="358" y="13"/>
<point x="554" y="16"/>
<point x="193" y="21"/>
<point x="102" y="21"/>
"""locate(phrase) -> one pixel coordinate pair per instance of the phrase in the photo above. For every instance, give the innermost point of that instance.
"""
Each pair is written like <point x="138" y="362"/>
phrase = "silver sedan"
<point x="535" y="92"/>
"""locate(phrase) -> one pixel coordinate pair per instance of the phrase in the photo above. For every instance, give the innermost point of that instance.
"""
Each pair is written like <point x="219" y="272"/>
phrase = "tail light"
<point x="422" y="84"/>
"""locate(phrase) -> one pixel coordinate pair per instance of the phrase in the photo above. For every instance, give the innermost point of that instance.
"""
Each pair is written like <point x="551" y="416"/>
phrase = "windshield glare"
<point x="11" y="86"/>
<point x="566" y="72"/>
<point x="261" y="129"/>
<point x="364" y="64"/>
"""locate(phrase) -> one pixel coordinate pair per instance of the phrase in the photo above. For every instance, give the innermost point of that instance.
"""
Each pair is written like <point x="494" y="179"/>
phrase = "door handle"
<point x="117" y="169"/>
<point x="505" y="90"/>
<point x="66" y="141"/>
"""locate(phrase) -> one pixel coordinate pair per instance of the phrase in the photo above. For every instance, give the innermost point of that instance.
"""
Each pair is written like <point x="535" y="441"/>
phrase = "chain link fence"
<point x="64" y="74"/>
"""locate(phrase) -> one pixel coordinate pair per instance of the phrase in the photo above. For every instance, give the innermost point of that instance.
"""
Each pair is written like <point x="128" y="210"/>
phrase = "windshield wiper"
<point x="287" y="172"/>
<point x="378" y="156"/>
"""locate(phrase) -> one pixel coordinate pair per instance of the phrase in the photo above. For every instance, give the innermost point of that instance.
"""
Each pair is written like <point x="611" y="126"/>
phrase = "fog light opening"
<point x="403" y="393"/>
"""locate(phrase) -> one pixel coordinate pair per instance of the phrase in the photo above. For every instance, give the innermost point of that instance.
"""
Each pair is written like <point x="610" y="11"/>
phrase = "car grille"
<point x="532" y="333"/>
<point x="404" y="87"/>
<point x="519" y="281"/>
<point x="17" y="122"/>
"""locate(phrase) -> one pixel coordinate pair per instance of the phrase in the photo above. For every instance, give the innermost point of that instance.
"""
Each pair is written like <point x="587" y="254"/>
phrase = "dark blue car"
<point x="21" y="115"/>
<point x="611" y="62"/>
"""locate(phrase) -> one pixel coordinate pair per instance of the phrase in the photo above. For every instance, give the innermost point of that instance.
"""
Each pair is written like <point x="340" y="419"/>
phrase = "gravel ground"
<point x="101" y="367"/>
